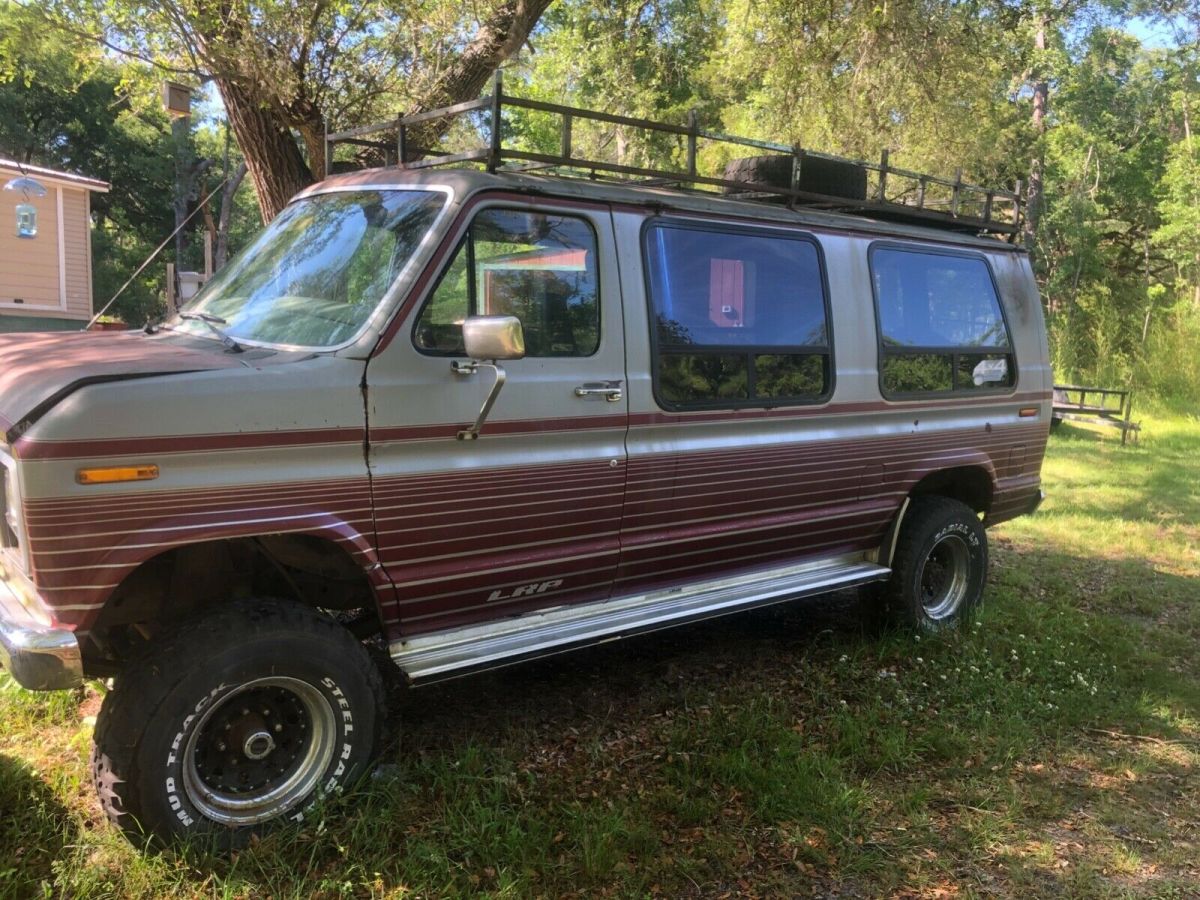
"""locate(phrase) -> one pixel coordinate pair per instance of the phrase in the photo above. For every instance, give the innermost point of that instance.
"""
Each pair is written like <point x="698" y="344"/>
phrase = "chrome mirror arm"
<point x="467" y="369"/>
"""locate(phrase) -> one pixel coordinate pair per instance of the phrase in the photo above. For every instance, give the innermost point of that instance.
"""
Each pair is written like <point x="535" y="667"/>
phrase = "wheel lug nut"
<point x="278" y="728"/>
<point x="220" y="745"/>
<point x="245" y="712"/>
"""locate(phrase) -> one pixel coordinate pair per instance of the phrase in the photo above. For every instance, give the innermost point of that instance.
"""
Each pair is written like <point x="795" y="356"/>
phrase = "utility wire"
<point x="158" y="250"/>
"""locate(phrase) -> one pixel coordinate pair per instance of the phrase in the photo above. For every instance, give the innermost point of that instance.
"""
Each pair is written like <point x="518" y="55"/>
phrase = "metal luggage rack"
<point x="891" y="192"/>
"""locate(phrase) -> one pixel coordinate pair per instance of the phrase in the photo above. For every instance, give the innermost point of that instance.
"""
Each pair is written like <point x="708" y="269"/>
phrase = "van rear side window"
<point x="941" y="327"/>
<point x="739" y="317"/>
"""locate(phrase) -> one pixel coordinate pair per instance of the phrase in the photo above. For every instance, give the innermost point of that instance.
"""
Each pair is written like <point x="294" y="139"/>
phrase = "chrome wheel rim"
<point x="259" y="751"/>
<point x="944" y="577"/>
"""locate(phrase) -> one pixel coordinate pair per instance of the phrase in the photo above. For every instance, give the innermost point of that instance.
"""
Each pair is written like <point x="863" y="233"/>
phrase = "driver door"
<point x="528" y="515"/>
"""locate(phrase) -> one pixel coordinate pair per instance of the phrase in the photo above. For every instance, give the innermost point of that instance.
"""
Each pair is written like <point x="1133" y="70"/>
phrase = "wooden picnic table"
<point x="1071" y="401"/>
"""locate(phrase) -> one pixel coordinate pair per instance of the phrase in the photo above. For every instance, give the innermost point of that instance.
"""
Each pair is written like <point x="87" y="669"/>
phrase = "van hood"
<point x="37" y="370"/>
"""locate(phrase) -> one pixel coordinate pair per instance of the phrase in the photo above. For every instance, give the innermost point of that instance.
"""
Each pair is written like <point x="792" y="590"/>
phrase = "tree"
<point x="928" y="80"/>
<point x="1105" y="161"/>
<point x="643" y="59"/>
<point x="285" y="69"/>
<point x="1178" y="237"/>
<point x="65" y="105"/>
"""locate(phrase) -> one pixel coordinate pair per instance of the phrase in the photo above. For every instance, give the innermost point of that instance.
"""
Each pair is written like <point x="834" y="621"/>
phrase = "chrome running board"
<point x="445" y="654"/>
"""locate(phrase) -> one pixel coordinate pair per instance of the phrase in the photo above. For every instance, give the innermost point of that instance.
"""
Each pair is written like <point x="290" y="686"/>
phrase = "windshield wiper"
<point x="212" y="322"/>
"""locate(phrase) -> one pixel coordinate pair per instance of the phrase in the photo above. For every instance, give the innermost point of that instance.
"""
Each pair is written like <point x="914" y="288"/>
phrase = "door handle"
<point x="609" y="390"/>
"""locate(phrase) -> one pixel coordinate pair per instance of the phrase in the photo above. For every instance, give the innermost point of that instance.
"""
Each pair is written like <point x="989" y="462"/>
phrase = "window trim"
<point x="683" y="224"/>
<point x="465" y="242"/>
<point x="954" y="351"/>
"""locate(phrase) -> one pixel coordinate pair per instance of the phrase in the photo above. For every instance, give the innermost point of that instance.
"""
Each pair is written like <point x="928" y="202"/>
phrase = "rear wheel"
<point x="939" y="567"/>
<point x="234" y="721"/>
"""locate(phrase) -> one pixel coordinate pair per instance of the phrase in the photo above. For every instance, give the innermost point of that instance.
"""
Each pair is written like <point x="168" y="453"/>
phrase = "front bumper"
<point x="39" y="656"/>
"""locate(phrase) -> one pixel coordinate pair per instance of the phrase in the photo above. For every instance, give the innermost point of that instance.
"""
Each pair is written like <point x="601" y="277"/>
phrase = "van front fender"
<point x="77" y="583"/>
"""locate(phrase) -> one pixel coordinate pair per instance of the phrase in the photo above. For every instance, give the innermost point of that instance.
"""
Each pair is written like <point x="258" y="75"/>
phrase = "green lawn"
<point x="1050" y="751"/>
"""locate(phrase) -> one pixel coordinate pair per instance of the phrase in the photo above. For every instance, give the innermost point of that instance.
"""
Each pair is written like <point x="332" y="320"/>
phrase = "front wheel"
<point x="939" y="567"/>
<point x="234" y="721"/>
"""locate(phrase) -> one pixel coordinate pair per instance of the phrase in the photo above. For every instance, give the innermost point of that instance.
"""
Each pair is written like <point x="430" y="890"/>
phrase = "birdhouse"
<point x="177" y="99"/>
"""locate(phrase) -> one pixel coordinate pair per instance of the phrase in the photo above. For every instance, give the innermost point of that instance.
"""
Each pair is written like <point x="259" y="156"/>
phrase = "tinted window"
<point x="540" y="268"/>
<point x="934" y="300"/>
<point x="940" y="323"/>
<point x="739" y="318"/>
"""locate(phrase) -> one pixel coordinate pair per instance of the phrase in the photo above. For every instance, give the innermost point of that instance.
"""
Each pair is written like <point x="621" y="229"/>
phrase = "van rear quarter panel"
<point x="720" y="491"/>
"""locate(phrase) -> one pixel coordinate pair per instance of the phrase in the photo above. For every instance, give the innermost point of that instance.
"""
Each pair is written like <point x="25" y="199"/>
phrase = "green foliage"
<point x="1104" y="162"/>
<point x="1178" y="237"/>
<point x="1170" y="365"/>
<point x="646" y="60"/>
<point x="941" y="85"/>
<point x="68" y="107"/>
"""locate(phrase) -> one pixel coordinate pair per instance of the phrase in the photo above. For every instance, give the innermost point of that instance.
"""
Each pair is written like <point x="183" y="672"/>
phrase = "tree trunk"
<point x="273" y="158"/>
<point x="231" y="187"/>
<point x="180" y="134"/>
<point x="498" y="38"/>
<point x="1035" y="195"/>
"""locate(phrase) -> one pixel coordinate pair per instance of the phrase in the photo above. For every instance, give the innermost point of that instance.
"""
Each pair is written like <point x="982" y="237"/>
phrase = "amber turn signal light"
<point x="1029" y="412"/>
<point x="114" y="474"/>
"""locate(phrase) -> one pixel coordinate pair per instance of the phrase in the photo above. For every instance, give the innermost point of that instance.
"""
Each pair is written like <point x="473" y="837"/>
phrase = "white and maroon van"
<point x="478" y="416"/>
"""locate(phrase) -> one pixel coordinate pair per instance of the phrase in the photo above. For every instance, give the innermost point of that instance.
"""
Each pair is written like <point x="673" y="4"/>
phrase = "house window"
<point x="739" y="317"/>
<point x="941" y="327"/>
<point x="538" y="267"/>
<point x="27" y="226"/>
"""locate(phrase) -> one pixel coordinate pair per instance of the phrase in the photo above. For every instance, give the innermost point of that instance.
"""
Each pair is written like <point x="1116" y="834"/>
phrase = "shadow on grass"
<point x="1131" y="610"/>
<point x="643" y="675"/>
<point x="35" y="828"/>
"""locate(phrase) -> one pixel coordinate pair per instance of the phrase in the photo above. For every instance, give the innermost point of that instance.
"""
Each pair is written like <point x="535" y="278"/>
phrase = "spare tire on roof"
<point x="818" y="175"/>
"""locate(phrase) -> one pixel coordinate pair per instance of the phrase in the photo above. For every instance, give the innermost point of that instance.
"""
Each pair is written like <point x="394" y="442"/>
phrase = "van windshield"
<point x="315" y="275"/>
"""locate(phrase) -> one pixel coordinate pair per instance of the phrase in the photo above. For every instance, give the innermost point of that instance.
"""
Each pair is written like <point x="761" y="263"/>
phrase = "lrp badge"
<point x="525" y="590"/>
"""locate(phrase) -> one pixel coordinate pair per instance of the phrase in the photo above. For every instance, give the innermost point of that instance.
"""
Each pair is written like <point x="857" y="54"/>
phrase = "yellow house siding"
<point x="78" y="259"/>
<point x="29" y="266"/>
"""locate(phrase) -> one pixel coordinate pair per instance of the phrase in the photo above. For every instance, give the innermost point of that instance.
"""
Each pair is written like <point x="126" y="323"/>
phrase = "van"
<point x="462" y="417"/>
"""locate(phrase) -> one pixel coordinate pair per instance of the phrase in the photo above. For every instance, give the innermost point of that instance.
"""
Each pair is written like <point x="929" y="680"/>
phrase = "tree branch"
<point x="67" y="28"/>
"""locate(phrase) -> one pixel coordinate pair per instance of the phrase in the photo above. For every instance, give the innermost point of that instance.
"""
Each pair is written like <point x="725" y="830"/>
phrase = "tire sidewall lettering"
<point x="970" y="531"/>
<point x="961" y="529"/>
<point x="333" y="781"/>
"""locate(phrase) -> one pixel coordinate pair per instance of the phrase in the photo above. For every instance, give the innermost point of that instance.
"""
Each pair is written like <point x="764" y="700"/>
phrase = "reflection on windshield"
<point x="316" y="273"/>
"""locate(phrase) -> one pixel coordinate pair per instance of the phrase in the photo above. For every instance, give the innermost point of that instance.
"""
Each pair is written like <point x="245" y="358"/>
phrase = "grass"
<point x="1050" y="750"/>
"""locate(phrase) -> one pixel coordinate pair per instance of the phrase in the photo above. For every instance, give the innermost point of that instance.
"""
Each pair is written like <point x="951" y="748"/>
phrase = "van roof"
<point x="468" y="182"/>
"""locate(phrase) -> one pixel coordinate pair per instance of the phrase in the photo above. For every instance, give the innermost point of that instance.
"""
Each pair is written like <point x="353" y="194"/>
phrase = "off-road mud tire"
<point x="935" y="528"/>
<point x="163" y="699"/>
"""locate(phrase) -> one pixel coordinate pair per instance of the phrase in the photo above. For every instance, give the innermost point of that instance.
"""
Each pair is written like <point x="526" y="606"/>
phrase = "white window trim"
<point x="62" y="250"/>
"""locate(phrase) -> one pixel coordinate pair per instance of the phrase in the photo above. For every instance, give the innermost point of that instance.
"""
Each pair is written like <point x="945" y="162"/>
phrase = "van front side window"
<point x="538" y="267"/>
<point x="739" y="317"/>
<point x="940" y="324"/>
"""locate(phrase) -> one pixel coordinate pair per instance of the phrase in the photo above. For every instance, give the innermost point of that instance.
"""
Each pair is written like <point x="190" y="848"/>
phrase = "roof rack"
<point x="880" y="189"/>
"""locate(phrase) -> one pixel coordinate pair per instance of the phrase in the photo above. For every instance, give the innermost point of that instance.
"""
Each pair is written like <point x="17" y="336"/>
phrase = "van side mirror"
<point x="493" y="337"/>
<point x="487" y="340"/>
